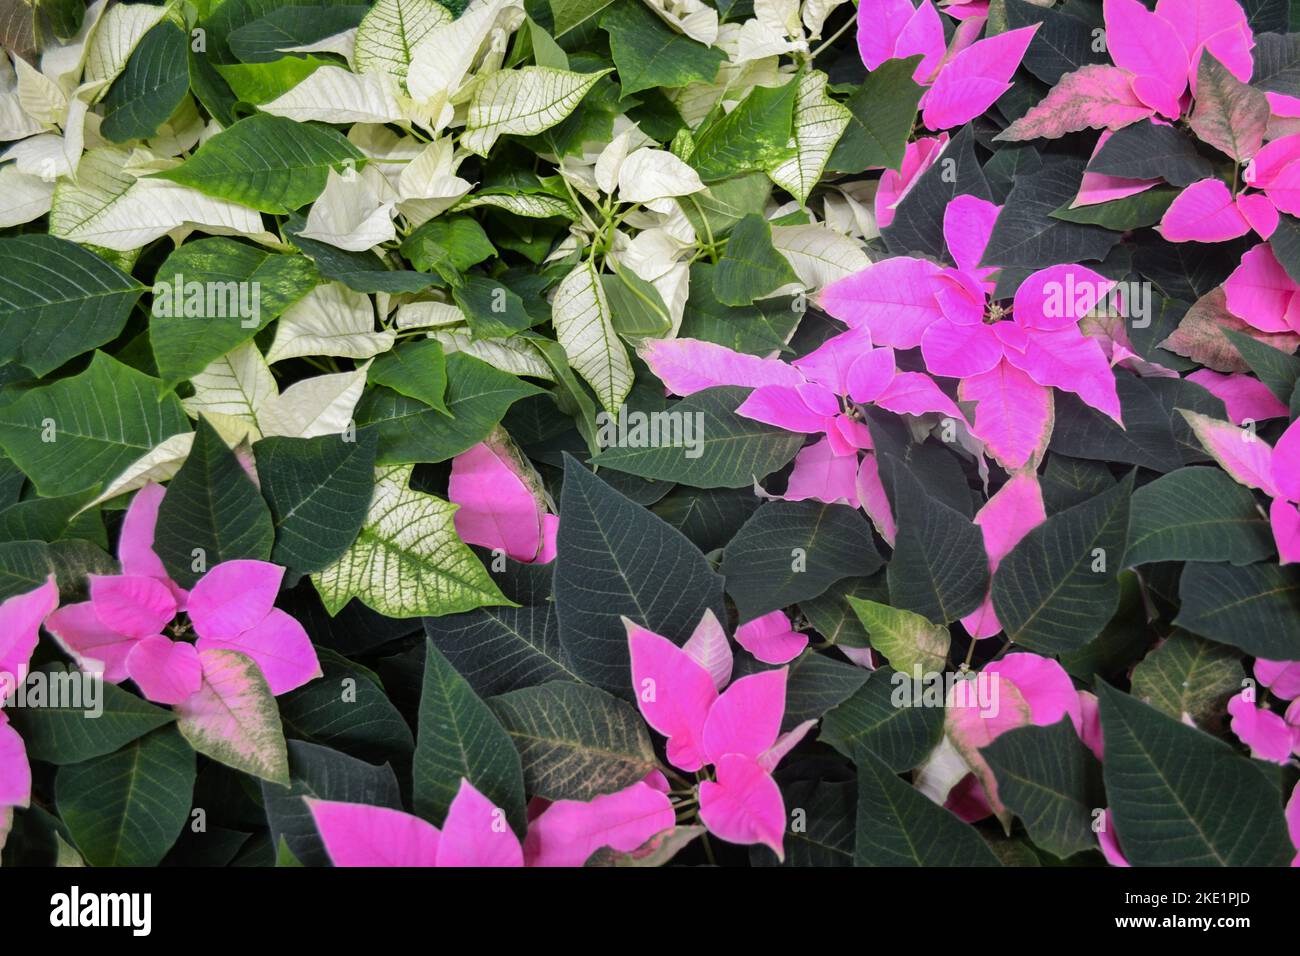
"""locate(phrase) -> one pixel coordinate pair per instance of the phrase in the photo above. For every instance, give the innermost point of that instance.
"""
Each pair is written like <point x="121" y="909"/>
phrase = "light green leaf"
<point x="522" y="102"/>
<point x="907" y="640"/>
<point x="391" y="31"/>
<point x="585" y="329"/>
<point x="819" y="122"/>
<point x="755" y="135"/>
<point x="1188" y="677"/>
<point x="407" y="560"/>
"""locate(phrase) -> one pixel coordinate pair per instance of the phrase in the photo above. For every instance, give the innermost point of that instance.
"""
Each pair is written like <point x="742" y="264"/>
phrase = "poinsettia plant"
<point x="447" y="433"/>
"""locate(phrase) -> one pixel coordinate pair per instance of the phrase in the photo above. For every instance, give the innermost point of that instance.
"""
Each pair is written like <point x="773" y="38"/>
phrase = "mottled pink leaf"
<point x="279" y="645"/>
<point x="1230" y="116"/>
<point x="1092" y="97"/>
<point x="233" y="717"/>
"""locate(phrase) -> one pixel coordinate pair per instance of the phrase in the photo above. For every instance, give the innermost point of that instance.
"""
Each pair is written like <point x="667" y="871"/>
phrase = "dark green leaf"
<point x="127" y="808"/>
<point x="618" y="560"/>
<point x="1196" y="514"/>
<point x="790" y="551"/>
<point x="1179" y="797"/>
<point x="576" y="742"/>
<point x="1058" y="587"/>
<point x="212" y="512"/>
<point x="459" y="738"/>
<point x="58" y="300"/>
